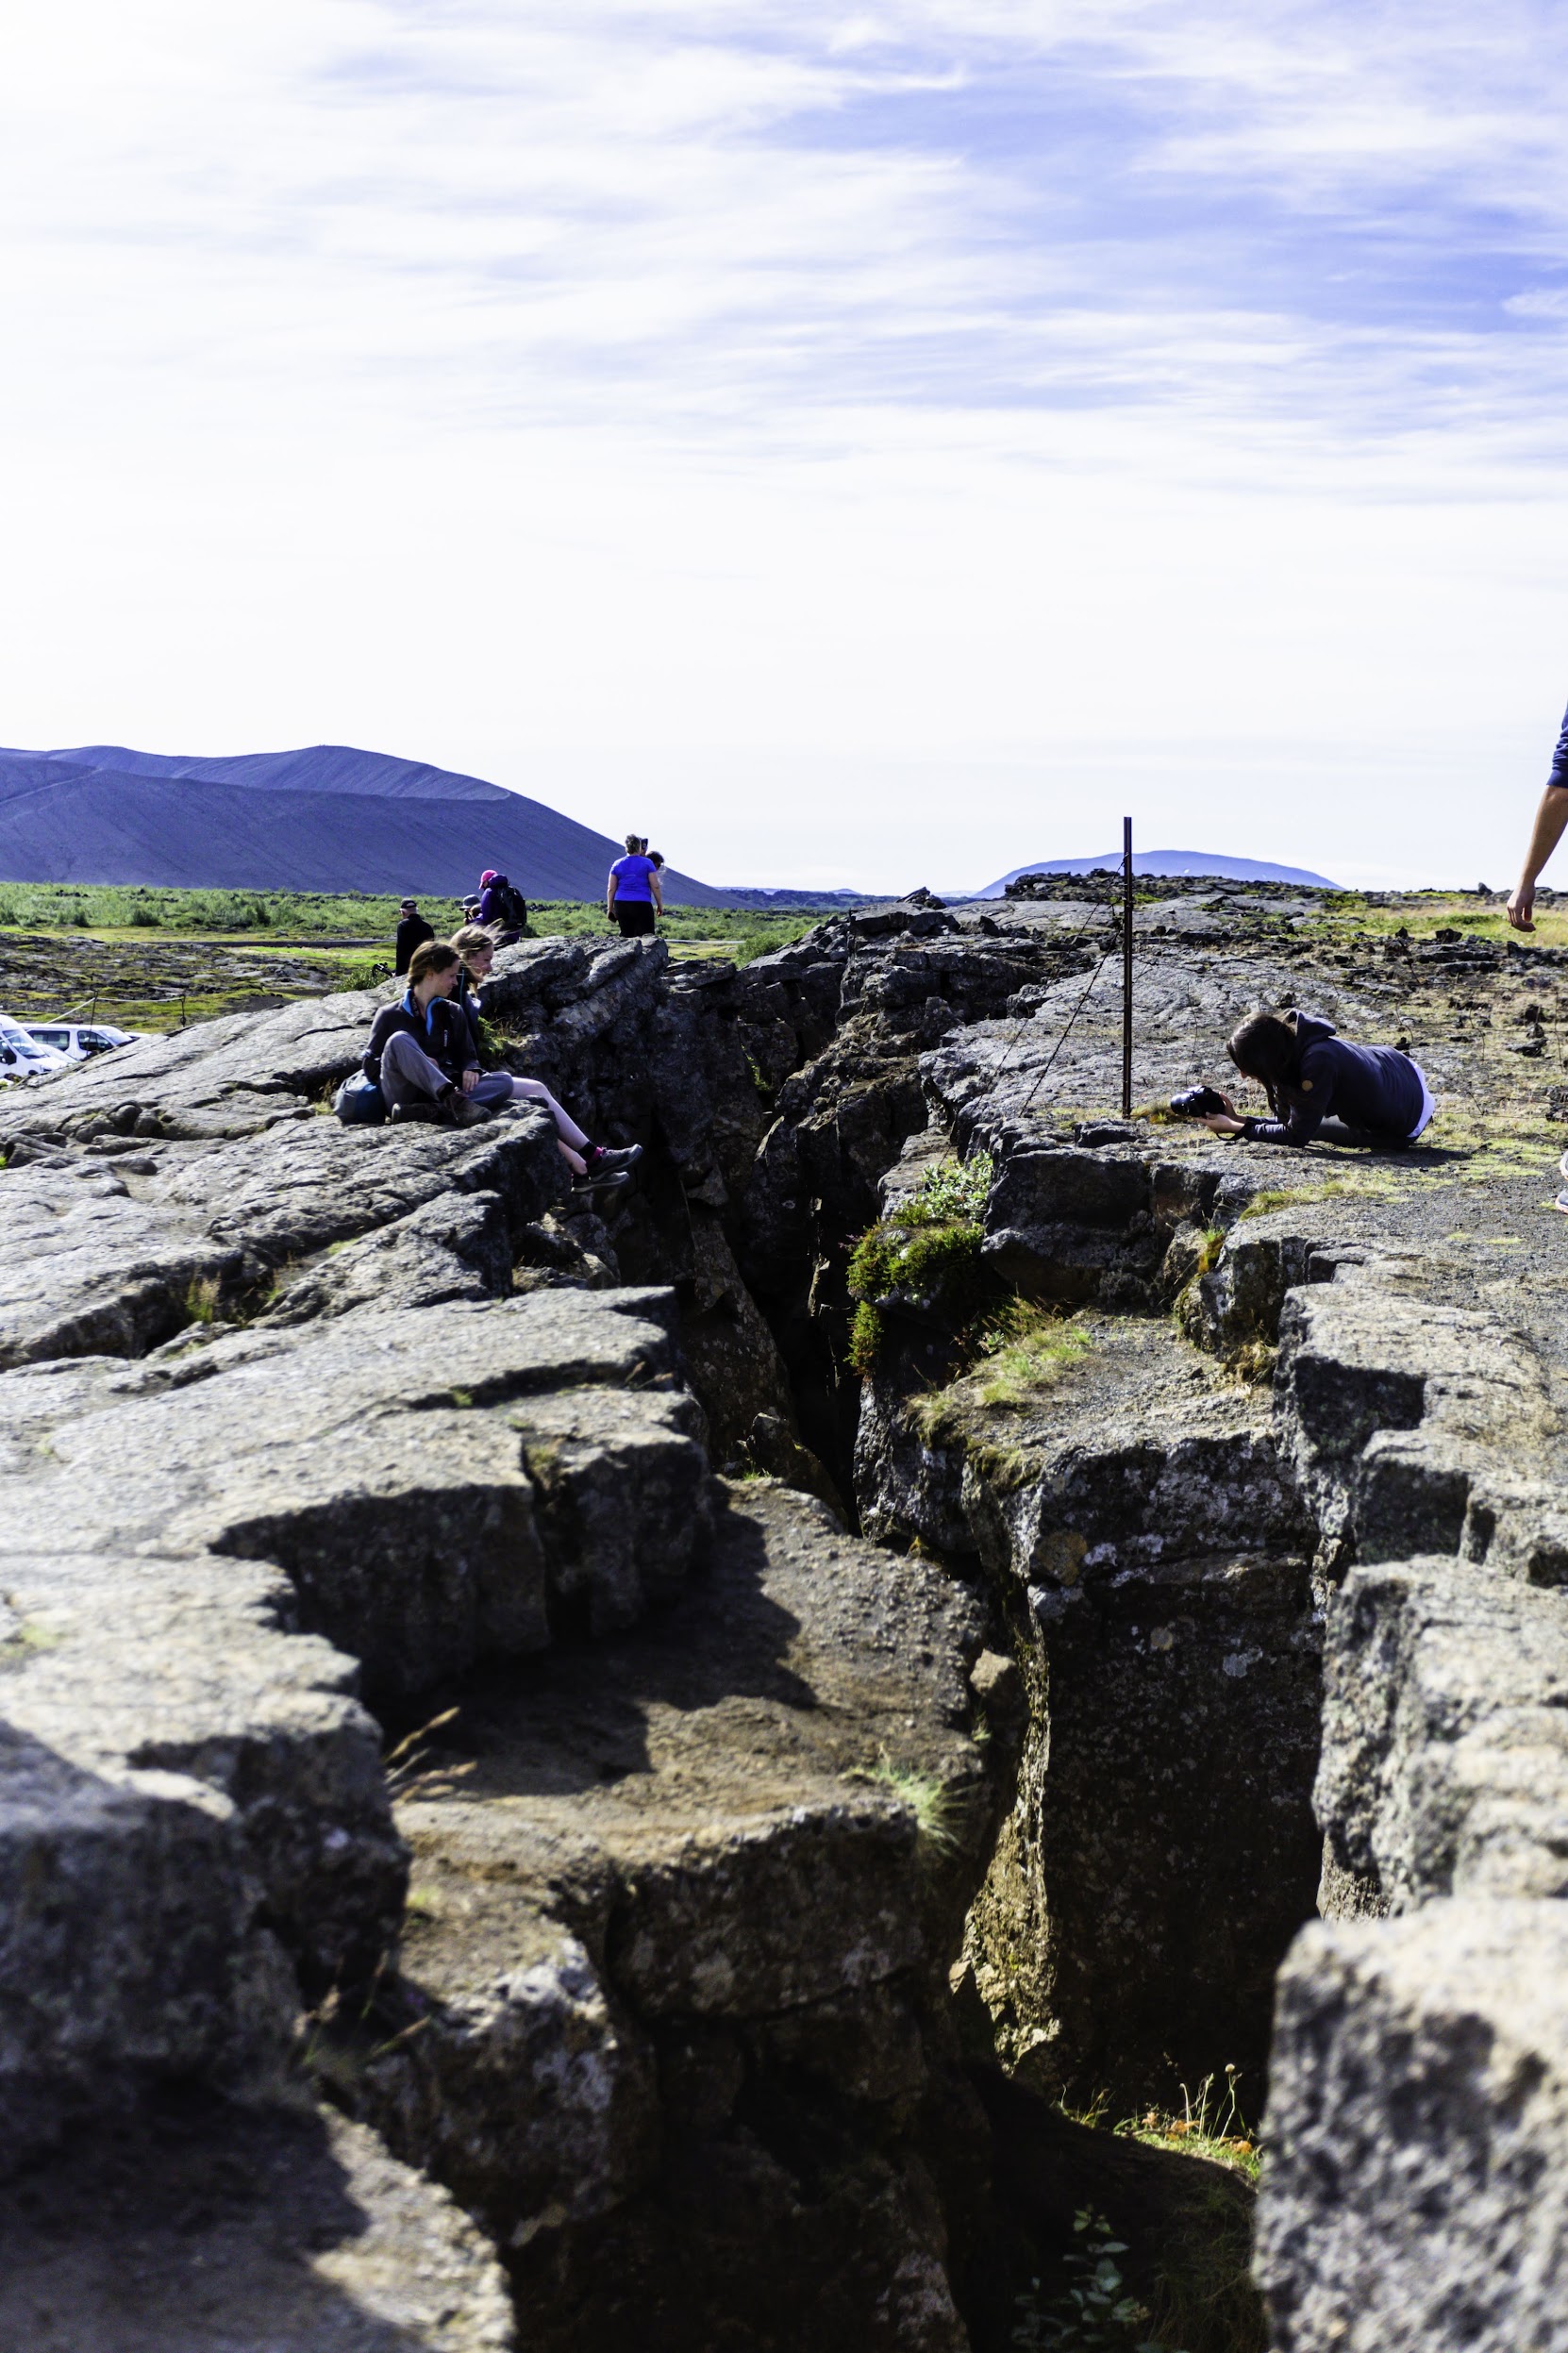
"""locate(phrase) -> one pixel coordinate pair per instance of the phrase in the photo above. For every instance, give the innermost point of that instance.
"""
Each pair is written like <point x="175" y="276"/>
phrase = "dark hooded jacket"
<point x="442" y="1029"/>
<point x="412" y="932"/>
<point x="501" y="903"/>
<point x="1373" y="1089"/>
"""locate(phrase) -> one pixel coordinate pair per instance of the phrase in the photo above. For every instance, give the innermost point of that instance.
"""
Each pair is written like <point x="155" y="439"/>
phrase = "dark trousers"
<point x="635" y="917"/>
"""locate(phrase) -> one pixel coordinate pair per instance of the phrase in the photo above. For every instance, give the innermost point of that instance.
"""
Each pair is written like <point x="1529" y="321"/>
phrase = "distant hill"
<point x="325" y="818"/>
<point x="1166" y="862"/>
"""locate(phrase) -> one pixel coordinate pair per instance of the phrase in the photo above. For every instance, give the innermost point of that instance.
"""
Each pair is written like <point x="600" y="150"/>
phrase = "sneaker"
<point x="1561" y="1203"/>
<point x="1562" y="1166"/>
<point x="603" y="1159"/>
<point x="424" y="1108"/>
<point x="601" y="1187"/>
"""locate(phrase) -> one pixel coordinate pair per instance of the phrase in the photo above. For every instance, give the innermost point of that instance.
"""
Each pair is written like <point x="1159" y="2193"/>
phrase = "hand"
<point x="1223" y="1123"/>
<point x="471" y="1079"/>
<point x="1522" y="906"/>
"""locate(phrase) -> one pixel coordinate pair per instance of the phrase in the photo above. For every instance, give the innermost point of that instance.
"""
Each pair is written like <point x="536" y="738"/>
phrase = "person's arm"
<point x="609" y="893"/>
<point x="1551" y="820"/>
<point x="1298" y="1126"/>
<point x="370" y="1060"/>
<point x="658" y="893"/>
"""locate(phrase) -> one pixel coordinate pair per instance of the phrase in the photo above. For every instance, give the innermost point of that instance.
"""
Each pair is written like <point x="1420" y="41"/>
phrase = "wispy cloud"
<point x="1262" y="212"/>
<point x="946" y="329"/>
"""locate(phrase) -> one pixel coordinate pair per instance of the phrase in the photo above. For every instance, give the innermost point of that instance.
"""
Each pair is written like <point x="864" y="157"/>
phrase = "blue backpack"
<point x="359" y="1102"/>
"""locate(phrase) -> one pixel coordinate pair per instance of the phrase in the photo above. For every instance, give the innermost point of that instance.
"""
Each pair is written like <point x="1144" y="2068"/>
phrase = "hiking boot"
<point x="605" y="1161"/>
<point x="455" y="1110"/>
<point x="594" y="1187"/>
<point x="422" y="1109"/>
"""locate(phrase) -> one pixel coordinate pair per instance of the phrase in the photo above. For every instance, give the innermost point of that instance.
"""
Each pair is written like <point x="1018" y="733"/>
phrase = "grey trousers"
<point x="408" y="1073"/>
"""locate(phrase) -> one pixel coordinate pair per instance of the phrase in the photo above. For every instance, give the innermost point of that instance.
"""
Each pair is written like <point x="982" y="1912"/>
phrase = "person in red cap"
<point x="502" y="909"/>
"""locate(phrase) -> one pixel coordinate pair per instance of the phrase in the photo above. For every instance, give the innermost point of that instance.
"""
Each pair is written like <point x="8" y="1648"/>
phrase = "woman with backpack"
<point x="1310" y="1074"/>
<point x="425" y="1057"/>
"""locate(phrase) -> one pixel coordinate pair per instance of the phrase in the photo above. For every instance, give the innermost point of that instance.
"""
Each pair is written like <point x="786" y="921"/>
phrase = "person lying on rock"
<point x="424" y="1058"/>
<point x="1376" y="1094"/>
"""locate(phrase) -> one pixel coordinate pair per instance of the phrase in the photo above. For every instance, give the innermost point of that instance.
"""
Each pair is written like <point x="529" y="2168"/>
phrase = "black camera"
<point x="1196" y="1103"/>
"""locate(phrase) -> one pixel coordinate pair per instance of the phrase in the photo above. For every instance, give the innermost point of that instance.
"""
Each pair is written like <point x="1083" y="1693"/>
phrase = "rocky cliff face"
<point x="636" y="1715"/>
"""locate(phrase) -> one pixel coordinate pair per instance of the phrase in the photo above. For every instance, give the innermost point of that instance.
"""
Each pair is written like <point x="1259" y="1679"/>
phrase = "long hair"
<point x="1266" y="1047"/>
<point x="472" y="940"/>
<point x="431" y="956"/>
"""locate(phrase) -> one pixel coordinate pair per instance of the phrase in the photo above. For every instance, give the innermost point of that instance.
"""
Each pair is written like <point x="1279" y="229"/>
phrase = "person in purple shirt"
<point x="634" y="897"/>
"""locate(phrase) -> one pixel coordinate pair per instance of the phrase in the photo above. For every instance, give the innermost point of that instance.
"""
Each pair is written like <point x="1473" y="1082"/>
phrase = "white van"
<point x="21" y="1056"/>
<point x="79" y="1041"/>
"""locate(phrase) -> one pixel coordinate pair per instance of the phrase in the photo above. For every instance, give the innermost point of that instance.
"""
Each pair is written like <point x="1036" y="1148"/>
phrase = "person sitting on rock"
<point x="1374" y="1092"/>
<point x="634" y="897"/>
<point x="503" y="910"/>
<point x="475" y="945"/>
<point x="424" y="1060"/>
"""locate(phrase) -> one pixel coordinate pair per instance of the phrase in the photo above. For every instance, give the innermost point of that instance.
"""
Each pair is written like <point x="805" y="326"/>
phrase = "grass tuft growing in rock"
<point x="1027" y="1349"/>
<point x="952" y="1193"/>
<point x="201" y="1299"/>
<point x="920" y="1795"/>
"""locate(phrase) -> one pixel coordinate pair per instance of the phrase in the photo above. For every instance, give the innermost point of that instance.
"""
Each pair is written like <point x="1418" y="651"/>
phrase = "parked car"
<point x="23" y="1055"/>
<point x="79" y="1041"/>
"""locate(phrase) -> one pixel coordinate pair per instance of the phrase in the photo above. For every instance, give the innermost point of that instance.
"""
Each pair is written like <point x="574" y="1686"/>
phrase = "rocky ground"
<point x="602" y="1779"/>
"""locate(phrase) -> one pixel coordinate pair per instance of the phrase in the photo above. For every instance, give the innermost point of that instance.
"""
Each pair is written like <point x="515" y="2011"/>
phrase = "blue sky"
<point x="873" y="447"/>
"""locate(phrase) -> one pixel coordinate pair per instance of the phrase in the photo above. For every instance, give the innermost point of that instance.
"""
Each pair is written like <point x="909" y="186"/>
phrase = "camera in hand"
<point x="1197" y="1103"/>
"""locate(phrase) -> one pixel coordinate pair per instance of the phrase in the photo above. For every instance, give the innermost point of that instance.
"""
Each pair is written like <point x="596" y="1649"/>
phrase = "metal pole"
<point x="1126" y="968"/>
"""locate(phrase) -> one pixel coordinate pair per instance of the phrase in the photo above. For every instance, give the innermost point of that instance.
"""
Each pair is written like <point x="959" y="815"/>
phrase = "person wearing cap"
<point x="412" y="932"/>
<point x="502" y="908"/>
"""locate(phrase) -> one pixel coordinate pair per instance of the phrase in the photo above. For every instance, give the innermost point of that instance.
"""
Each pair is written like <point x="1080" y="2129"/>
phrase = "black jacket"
<point x="1375" y="1089"/>
<point x="412" y="932"/>
<point x="442" y="1031"/>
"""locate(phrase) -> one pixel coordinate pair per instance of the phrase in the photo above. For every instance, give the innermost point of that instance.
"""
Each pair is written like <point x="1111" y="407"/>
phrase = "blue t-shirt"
<point x="631" y="878"/>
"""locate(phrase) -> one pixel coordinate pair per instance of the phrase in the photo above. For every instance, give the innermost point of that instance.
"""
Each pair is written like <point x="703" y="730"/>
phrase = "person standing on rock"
<point x="412" y="932"/>
<point x="1551" y="822"/>
<point x="1310" y="1074"/>
<point x="423" y="1057"/>
<point x="634" y="896"/>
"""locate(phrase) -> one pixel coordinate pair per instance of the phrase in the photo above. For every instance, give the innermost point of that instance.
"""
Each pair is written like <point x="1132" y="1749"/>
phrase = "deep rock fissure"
<point x="953" y="1725"/>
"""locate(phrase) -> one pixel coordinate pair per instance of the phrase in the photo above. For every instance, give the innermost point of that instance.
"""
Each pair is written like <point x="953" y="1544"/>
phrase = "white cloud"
<point x="902" y="435"/>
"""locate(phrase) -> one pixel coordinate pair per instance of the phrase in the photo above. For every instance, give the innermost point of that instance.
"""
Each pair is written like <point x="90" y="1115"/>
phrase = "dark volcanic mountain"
<point x="326" y="818"/>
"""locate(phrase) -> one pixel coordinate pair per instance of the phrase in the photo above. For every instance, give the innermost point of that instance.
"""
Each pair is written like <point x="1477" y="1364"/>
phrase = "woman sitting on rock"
<point x="1310" y="1074"/>
<point x="425" y="1058"/>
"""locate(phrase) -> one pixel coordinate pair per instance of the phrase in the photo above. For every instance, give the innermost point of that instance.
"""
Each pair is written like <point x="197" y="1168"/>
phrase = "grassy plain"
<point x="149" y="959"/>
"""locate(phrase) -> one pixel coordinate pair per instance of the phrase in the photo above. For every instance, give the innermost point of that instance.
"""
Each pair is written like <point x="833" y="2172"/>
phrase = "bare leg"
<point x="573" y="1143"/>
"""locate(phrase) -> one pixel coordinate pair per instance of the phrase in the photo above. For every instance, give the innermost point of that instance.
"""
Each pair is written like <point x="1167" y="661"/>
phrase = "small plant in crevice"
<point x="1211" y="2125"/>
<point x="953" y="1193"/>
<point x="932" y="1269"/>
<point x="921" y="1794"/>
<point x="1094" y="2311"/>
<point x="201" y="1299"/>
<point x="1027" y="1348"/>
<point x="865" y="1339"/>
